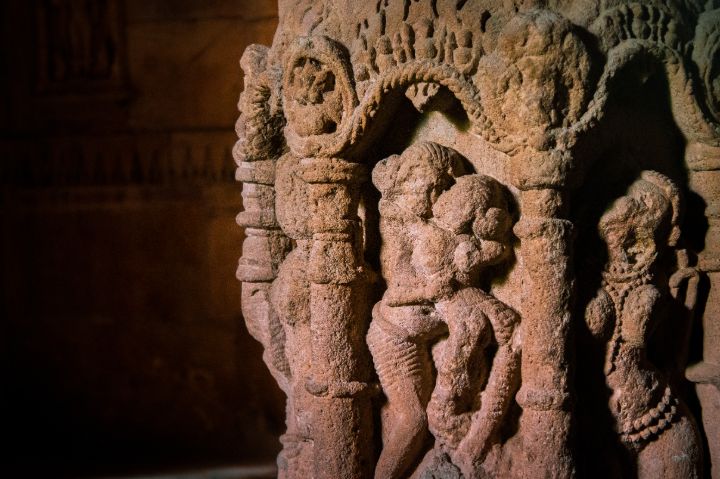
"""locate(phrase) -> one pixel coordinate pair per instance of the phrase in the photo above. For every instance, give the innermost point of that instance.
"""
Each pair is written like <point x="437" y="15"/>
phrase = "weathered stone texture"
<point x="483" y="236"/>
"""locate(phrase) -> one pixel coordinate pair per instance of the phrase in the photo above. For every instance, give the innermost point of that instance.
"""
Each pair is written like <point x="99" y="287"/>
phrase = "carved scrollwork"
<point x="641" y="40"/>
<point x="354" y="122"/>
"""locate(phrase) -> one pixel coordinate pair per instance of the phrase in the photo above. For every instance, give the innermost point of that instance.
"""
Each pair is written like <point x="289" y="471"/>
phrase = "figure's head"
<point x="416" y="178"/>
<point x="476" y="204"/>
<point x="638" y="224"/>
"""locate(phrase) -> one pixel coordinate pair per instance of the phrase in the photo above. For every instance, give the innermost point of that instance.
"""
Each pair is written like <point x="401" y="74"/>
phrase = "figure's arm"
<point x="683" y="274"/>
<point x="396" y="260"/>
<point x="599" y="316"/>
<point x="466" y="257"/>
<point x="638" y="315"/>
<point x="438" y="287"/>
<point x="687" y="296"/>
<point x="405" y="295"/>
<point x="430" y="265"/>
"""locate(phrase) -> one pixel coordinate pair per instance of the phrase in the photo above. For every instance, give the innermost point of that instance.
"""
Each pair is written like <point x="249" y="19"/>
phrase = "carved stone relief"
<point x="81" y="46"/>
<point x="483" y="237"/>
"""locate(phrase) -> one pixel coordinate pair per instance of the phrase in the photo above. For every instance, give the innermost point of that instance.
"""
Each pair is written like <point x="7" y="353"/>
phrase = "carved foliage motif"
<point x="458" y="354"/>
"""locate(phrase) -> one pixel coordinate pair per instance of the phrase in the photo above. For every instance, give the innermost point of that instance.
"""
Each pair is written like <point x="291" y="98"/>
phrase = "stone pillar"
<point x="341" y="411"/>
<point x="264" y="248"/>
<point x="546" y="244"/>
<point x="265" y="245"/>
<point x="704" y="163"/>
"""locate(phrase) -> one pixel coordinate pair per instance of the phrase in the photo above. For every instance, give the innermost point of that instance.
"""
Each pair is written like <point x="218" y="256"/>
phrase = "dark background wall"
<point x="121" y="341"/>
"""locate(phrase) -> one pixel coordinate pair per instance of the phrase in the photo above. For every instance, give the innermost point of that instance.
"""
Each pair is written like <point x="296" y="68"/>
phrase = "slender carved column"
<point x="546" y="253"/>
<point x="341" y="413"/>
<point x="265" y="245"/>
<point x="552" y="65"/>
<point x="704" y="163"/>
<point x="263" y="249"/>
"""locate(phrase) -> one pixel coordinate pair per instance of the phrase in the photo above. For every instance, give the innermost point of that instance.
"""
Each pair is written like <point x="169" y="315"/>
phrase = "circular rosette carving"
<point x="536" y="80"/>
<point x="707" y="57"/>
<point x="318" y="96"/>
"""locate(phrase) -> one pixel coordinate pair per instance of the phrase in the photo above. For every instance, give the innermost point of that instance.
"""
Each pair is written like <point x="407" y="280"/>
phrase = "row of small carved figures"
<point x="423" y="41"/>
<point x="417" y="42"/>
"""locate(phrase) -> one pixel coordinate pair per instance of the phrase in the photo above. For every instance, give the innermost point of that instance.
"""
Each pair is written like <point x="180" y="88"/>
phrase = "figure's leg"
<point x="404" y="369"/>
<point x="458" y="371"/>
<point x="467" y="428"/>
<point x="676" y="453"/>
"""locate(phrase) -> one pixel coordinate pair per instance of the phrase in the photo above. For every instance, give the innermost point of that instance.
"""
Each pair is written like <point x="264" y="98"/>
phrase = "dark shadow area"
<point x="122" y="344"/>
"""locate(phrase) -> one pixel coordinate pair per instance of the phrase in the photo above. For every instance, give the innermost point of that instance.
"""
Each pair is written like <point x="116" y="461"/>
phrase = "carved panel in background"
<point x="118" y="160"/>
<point x="80" y="46"/>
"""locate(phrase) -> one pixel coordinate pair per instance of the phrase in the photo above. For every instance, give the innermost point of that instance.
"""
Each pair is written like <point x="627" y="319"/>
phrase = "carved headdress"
<point x="442" y="164"/>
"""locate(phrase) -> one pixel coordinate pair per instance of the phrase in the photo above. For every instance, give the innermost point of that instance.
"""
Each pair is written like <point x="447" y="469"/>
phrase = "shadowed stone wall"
<point x="122" y="341"/>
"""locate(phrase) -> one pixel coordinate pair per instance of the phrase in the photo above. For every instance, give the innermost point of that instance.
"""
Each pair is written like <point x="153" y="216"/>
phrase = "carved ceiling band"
<point x="627" y="49"/>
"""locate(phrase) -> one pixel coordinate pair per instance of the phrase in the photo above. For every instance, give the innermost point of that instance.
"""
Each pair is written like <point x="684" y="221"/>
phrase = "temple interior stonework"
<point x="483" y="236"/>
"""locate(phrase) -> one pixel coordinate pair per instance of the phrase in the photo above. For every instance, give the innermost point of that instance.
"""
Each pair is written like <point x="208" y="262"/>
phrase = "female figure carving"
<point x="654" y="426"/>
